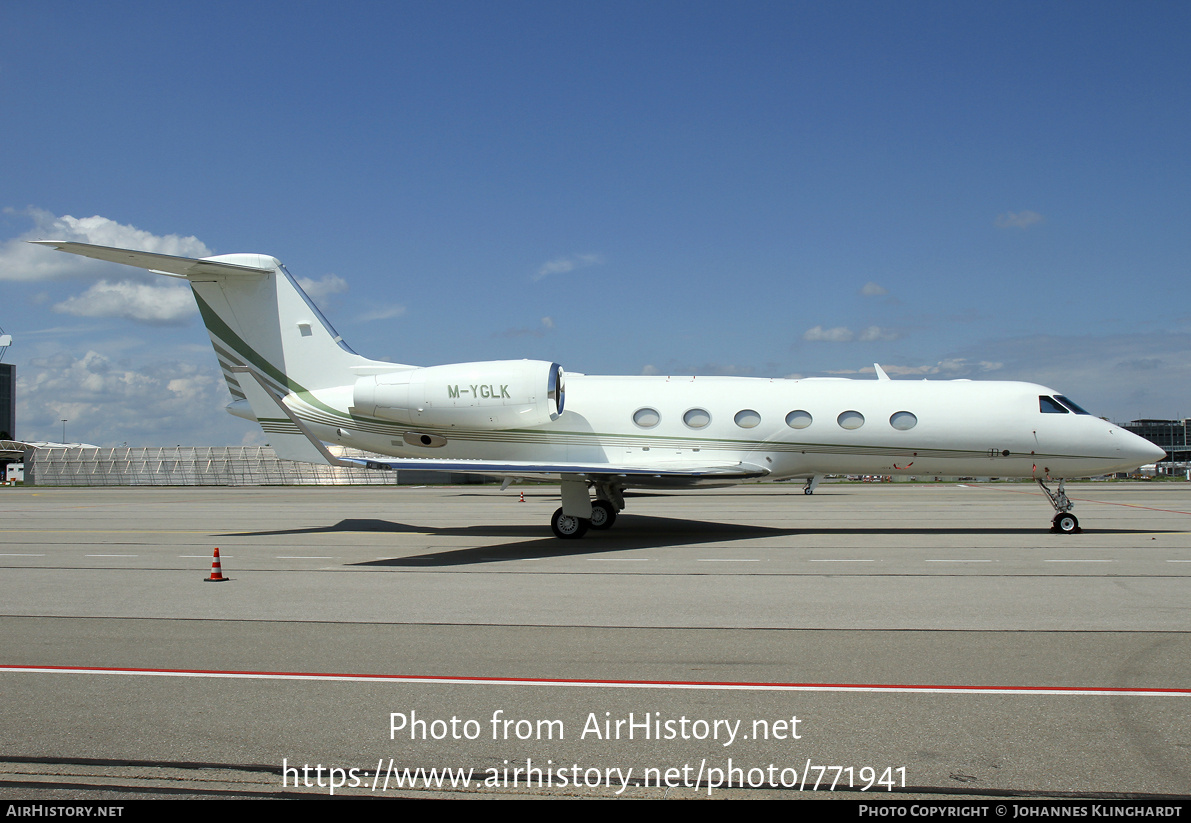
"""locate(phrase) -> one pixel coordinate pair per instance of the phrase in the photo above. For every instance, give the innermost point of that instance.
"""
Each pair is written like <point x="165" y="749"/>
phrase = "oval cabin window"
<point x="647" y="418"/>
<point x="747" y="418"/>
<point x="850" y="420"/>
<point x="697" y="418"/>
<point x="799" y="419"/>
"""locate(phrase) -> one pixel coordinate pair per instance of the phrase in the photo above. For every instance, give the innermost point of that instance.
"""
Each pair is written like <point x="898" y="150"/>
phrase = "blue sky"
<point x="954" y="190"/>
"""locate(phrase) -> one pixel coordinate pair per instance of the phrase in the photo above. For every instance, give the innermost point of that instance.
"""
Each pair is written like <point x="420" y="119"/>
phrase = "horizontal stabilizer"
<point x="161" y="263"/>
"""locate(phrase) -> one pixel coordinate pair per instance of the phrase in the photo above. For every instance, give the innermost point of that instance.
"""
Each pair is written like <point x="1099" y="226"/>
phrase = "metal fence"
<point x="208" y="466"/>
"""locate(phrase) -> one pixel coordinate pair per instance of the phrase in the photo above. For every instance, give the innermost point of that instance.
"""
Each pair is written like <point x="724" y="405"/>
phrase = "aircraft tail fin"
<point x="257" y="316"/>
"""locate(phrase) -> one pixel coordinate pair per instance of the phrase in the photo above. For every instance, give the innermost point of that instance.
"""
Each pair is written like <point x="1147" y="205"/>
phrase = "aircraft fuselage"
<point x="789" y="427"/>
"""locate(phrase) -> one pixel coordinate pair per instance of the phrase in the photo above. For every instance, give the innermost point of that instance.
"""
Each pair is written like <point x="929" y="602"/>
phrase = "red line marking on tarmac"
<point x="606" y="684"/>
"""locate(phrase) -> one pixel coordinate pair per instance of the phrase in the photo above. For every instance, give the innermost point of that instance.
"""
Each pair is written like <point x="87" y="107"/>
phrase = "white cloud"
<point x="872" y="289"/>
<point x="108" y="402"/>
<point x="562" y="265"/>
<point x="324" y="287"/>
<point x="164" y="304"/>
<point x="953" y="367"/>
<point x="842" y="334"/>
<point x="545" y="327"/>
<point x="723" y="370"/>
<point x="19" y="260"/>
<point x="1123" y="377"/>
<point x="383" y="313"/>
<point x="1112" y="376"/>
<point x="839" y="334"/>
<point x="675" y="367"/>
<point x="1019" y="220"/>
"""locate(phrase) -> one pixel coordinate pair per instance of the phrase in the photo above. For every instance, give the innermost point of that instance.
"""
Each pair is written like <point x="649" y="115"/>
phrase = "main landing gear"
<point x="1064" y="522"/>
<point x="603" y="514"/>
<point x="569" y="522"/>
<point x="568" y="527"/>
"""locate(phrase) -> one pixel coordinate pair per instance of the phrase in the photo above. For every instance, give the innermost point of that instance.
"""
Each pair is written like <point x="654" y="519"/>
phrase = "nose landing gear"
<point x="1064" y="522"/>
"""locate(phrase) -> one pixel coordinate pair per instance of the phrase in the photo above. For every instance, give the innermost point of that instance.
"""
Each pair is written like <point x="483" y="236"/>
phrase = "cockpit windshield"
<point x="1070" y="405"/>
<point x="1059" y="405"/>
<point x="1048" y="405"/>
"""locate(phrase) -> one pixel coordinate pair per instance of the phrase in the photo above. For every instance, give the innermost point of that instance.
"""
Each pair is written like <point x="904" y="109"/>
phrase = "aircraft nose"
<point x="1156" y="452"/>
<point x="1143" y="450"/>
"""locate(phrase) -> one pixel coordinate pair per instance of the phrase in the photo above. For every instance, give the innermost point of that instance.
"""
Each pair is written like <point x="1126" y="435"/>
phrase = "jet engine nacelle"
<point x="497" y="394"/>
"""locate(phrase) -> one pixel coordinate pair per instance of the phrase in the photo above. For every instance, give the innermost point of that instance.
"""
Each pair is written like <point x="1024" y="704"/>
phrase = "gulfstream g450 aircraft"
<point x="288" y="370"/>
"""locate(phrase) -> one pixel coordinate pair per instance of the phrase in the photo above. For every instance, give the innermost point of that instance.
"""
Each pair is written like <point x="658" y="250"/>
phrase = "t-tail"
<point x="258" y="318"/>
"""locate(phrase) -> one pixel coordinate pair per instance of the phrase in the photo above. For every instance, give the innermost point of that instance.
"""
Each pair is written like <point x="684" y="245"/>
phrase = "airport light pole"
<point x="64" y="431"/>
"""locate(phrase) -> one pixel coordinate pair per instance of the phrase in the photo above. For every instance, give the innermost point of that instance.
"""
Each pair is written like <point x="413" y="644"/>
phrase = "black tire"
<point x="566" y="527"/>
<point x="603" y="514"/>
<point x="1066" y="524"/>
<point x="807" y="490"/>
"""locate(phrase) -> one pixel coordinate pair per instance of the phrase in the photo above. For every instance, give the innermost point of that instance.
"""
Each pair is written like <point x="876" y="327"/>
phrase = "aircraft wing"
<point x="160" y="263"/>
<point x="628" y="475"/>
<point x="293" y="440"/>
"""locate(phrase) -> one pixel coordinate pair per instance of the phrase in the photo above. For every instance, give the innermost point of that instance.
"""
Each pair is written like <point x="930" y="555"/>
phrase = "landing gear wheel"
<point x="567" y="527"/>
<point x="1065" y="524"/>
<point x="807" y="490"/>
<point x="603" y="514"/>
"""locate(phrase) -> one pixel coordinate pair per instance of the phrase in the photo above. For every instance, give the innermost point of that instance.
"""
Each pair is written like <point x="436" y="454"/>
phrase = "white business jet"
<point x="288" y="370"/>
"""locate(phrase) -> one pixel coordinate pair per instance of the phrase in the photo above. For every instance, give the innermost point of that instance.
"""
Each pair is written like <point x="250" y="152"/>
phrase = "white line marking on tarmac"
<point x="1079" y="561"/>
<point x="1029" y="691"/>
<point x="838" y="560"/>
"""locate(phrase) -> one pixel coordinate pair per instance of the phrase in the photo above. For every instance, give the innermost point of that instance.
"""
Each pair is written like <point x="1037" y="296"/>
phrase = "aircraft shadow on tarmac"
<point x="531" y="541"/>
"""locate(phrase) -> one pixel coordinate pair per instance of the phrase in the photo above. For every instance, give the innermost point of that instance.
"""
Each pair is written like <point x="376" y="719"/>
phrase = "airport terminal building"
<point x="1167" y="434"/>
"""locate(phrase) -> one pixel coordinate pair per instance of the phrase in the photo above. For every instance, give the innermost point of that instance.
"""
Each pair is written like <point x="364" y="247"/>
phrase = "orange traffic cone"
<point x="522" y="500"/>
<point x="216" y="570"/>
